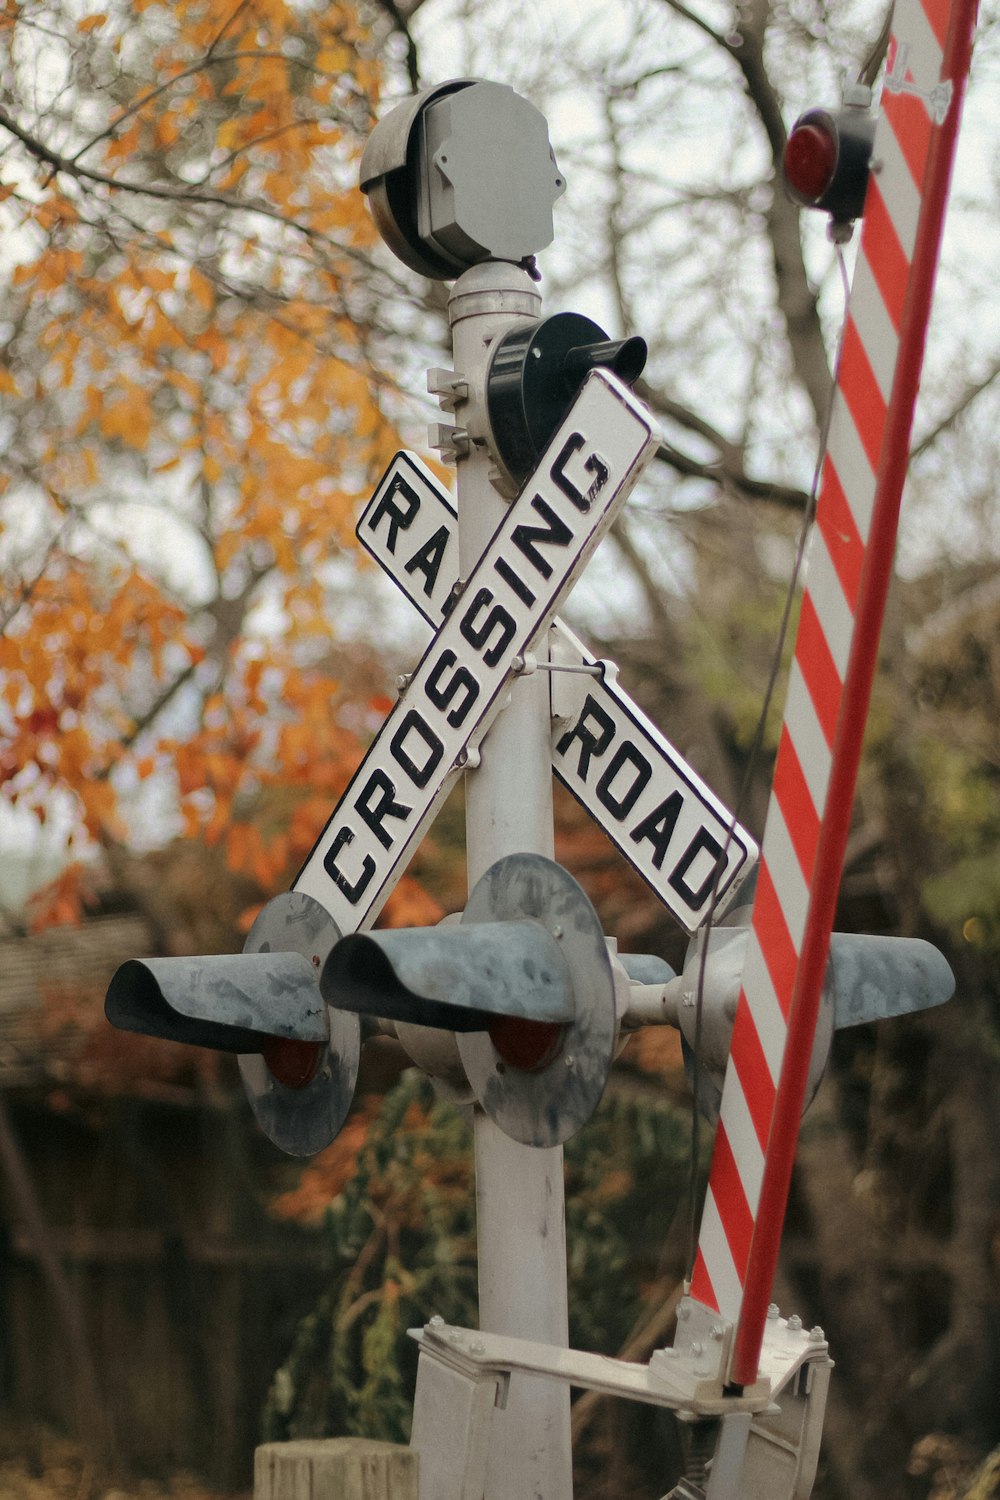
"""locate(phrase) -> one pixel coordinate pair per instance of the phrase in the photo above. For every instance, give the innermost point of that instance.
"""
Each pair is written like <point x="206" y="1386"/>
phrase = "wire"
<point x="705" y="932"/>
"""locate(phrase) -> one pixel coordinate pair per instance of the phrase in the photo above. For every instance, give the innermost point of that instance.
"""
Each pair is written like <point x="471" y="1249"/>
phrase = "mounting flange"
<point x="301" y="1093"/>
<point x="541" y="1087"/>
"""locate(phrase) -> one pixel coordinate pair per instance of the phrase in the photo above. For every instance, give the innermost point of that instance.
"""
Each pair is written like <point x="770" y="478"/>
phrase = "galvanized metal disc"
<point x="546" y="1107"/>
<point x="303" y="1120"/>
<point x="723" y="978"/>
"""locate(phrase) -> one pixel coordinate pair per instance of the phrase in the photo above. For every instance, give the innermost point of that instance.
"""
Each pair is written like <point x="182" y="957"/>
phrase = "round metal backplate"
<point x="546" y="1106"/>
<point x="728" y="943"/>
<point x="302" y="1120"/>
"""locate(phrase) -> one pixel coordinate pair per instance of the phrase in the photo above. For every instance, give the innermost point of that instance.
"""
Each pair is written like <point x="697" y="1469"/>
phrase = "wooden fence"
<point x="189" y="1291"/>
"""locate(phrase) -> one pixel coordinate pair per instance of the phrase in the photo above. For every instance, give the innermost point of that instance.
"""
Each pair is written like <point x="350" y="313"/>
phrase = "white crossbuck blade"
<point x="534" y="558"/>
<point x="655" y="809"/>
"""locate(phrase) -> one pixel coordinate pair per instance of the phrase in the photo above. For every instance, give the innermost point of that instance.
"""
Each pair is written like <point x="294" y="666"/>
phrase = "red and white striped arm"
<point x="847" y="579"/>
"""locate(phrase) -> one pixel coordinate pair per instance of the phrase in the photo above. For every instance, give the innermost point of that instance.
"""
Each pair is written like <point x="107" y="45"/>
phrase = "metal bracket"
<point x="490" y="1356"/>
<point x="448" y="386"/>
<point x="463" y="1375"/>
<point x="450" y="442"/>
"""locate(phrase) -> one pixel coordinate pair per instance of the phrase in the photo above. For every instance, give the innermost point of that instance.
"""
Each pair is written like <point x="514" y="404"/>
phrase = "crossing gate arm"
<point x="850" y="565"/>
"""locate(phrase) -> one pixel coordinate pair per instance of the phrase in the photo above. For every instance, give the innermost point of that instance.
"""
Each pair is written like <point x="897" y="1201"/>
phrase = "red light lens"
<point x="810" y="161"/>
<point x="293" y="1063"/>
<point x="528" y="1046"/>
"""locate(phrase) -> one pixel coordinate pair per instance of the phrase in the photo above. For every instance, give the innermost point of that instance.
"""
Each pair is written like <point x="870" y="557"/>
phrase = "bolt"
<point x="436" y="1321"/>
<point x="684" y="1311"/>
<point x="517" y="665"/>
<point x="454" y="1336"/>
<point x="716" y="1333"/>
<point x="794" y="1323"/>
<point x="454" y="594"/>
<point x="403" y="681"/>
<point x="816" y="1335"/>
<point x="569" y="1060"/>
<point x="316" y="960"/>
<point x="773" y="1312"/>
<point x="478" y="1347"/>
<point x="451" y="442"/>
<point x="697" y="1347"/>
<point x="557" y="931"/>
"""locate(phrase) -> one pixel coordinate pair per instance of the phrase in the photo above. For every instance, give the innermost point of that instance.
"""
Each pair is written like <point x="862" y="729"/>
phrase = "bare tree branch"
<point x="960" y="407"/>
<point x="233" y="16"/>
<point x="208" y="61"/>
<point x="796" y="298"/>
<point x="401" y="25"/>
<point x="28" y="587"/>
<point x="85" y="176"/>
<point x="727" y="469"/>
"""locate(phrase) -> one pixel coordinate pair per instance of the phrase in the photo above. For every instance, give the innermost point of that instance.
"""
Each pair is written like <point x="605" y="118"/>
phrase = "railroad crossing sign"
<point x="751" y="1385"/>
<point x="655" y="809"/>
<point x="505" y="606"/>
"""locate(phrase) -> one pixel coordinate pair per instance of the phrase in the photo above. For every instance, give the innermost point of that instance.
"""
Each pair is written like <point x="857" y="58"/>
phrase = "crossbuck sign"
<point x="652" y="805"/>
<point x="527" y="569"/>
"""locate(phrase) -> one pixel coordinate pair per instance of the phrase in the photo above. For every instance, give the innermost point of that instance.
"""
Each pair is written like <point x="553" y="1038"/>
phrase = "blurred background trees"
<point x="207" y="361"/>
<point x="196" y="395"/>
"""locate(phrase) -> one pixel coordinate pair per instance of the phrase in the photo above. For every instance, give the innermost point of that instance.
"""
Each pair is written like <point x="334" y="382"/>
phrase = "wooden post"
<point x="335" y="1469"/>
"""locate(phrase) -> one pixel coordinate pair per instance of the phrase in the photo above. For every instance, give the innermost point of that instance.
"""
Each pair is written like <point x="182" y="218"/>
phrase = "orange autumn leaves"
<point x="193" y="402"/>
<point x="67" y="660"/>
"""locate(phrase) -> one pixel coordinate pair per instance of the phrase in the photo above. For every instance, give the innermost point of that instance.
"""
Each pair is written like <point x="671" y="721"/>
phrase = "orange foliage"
<point x="58" y="903"/>
<point x="329" y="1172"/>
<point x="657" y="1050"/>
<point x="195" y="411"/>
<point x="411" y="906"/>
<point x="76" y="1043"/>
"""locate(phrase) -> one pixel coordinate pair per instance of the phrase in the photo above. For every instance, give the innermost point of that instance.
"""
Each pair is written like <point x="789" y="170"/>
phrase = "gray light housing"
<point x="456" y="977"/>
<point x="233" y="1002"/>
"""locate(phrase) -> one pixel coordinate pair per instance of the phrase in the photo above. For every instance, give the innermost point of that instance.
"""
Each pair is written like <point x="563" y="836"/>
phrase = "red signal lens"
<point x="526" y="1045"/>
<point x="292" y="1063"/>
<point x="810" y="161"/>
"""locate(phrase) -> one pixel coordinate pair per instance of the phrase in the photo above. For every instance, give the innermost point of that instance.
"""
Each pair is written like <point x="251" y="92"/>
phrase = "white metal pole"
<point x="519" y="1189"/>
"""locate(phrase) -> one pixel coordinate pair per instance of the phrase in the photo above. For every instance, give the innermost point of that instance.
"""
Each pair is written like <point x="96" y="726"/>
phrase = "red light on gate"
<point x="827" y="160"/>
<point x="810" y="162"/>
